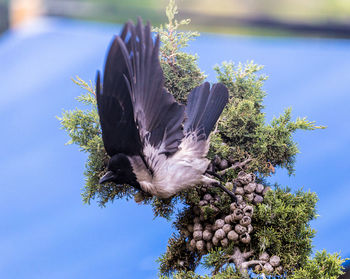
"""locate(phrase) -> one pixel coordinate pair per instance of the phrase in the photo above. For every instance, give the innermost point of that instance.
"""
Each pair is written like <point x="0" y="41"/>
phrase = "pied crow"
<point x="155" y="144"/>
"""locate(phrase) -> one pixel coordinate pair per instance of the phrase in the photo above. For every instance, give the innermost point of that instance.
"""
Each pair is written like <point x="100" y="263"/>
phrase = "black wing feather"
<point x="119" y="131"/>
<point x="204" y="107"/>
<point x="158" y="116"/>
<point x="217" y="101"/>
<point x="196" y="102"/>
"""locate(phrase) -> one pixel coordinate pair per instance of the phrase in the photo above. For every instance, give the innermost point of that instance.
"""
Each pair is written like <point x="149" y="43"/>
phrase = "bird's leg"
<point x="231" y="194"/>
<point x="234" y="186"/>
<point x="210" y="181"/>
<point x="212" y="173"/>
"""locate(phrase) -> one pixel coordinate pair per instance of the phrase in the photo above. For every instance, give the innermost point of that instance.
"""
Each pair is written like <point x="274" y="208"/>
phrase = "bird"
<point x="154" y="143"/>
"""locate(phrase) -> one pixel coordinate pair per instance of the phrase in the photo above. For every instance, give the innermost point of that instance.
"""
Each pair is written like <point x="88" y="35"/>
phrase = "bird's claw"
<point x="212" y="173"/>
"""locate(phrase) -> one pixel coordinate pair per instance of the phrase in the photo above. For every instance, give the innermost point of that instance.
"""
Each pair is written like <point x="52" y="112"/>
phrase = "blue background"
<point x="47" y="232"/>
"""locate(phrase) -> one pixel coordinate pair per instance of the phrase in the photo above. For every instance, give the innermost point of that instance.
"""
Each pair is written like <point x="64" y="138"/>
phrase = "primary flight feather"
<point x="154" y="143"/>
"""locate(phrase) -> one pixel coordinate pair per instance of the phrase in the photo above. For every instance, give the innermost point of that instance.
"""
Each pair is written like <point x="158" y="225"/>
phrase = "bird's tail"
<point x="204" y="107"/>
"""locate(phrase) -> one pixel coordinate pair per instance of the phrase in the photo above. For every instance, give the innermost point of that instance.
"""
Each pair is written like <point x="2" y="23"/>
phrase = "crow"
<point x="154" y="143"/>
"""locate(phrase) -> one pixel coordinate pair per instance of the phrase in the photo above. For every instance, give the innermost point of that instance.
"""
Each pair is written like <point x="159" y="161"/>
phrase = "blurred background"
<point x="285" y="17"/>
<point x="46" y="231"/>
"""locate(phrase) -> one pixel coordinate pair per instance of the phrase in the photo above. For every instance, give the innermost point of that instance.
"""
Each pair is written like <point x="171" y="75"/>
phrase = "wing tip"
<point x="207" y="105"/>
<point x="220" y="88"/>
<point x="98" y="83"/>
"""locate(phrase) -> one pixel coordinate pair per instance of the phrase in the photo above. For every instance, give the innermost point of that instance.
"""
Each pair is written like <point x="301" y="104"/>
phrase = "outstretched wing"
<point x="157" y="115"/>
<point x="119" y="131"/>
<point x="204" y="107"/>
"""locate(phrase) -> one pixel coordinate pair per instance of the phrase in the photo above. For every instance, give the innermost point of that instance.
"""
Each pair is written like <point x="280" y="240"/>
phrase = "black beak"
<point x="109" y="176"/>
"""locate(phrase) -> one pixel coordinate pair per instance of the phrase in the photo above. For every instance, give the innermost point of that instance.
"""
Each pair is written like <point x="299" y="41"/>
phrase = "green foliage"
<point x="227" y="273"/>
<point x="217" y="258"/>
<point x="322" y="266"/>
<point x="82" y="125"/>
<point x="282" y="226"/>
<point x="177" y="257"/>
<point x="180" y="68"/>
<point x="163" y="207"/>
<point x="182" y="275"/>
<point x="243" y="129"/>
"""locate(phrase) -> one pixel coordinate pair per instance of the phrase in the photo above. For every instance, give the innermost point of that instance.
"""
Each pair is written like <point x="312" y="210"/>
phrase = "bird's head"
<point x="119" y="171"/>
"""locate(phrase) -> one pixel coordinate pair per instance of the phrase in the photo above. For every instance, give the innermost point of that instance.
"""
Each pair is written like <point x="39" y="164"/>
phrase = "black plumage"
<point x="119" y="131"/>
<point x="204" y="106"/>
<point x="164" y="145"/>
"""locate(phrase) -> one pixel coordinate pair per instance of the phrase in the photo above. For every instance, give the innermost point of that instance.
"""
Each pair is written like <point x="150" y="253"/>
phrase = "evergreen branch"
<point x="236" y="166"/>
<point x="83" y="84"/>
